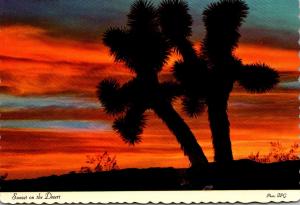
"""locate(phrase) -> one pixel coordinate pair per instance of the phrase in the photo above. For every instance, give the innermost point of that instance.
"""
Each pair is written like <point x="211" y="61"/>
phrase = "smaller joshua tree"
<point x="208" y="78"/>
<point x="144" y="51"/>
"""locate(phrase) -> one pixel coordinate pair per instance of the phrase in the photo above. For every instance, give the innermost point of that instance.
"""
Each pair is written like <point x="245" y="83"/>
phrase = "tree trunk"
<point x="220" y="128"/>
<point x="183" y="134"/>
<point x="187" y="51"/>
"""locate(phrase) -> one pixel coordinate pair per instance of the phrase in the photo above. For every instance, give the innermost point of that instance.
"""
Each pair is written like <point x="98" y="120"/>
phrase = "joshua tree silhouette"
<point x="208" y="78"/>
<point x="144" y="50"/>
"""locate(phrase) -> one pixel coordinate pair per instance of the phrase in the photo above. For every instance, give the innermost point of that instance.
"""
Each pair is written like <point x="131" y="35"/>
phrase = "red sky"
<point x="33" y="63"/>
<point x="36" y="65"/>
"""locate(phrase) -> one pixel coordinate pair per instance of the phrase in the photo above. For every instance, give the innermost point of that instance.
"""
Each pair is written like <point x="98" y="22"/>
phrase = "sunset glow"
<point x="27" y="49"/>
<point x="51" y="117"/>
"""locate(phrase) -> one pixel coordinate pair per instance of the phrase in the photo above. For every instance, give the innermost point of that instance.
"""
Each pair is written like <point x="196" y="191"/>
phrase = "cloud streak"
<point x="50" y="66"/>
<point x="290" y="85"/>
<point x="16" y="102"/>
<point x="86" y="20"/>
<point x="56" y="124"/>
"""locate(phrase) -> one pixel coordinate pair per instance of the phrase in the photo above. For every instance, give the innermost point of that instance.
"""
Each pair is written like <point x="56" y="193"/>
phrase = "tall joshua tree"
<point x="217" y="66"/>
<point x="144" y="50"/>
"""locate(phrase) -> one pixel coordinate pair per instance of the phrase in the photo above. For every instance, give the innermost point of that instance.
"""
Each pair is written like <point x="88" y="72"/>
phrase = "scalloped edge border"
<point x="155" y="197"/>
<point x="160" y="197"/>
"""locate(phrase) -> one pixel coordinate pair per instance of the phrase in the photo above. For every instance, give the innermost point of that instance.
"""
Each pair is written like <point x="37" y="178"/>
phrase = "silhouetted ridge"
<point x="237" y="175"/>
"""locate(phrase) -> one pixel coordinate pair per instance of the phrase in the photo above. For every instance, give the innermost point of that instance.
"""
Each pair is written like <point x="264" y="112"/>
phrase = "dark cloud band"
<point x="86" y="20"/>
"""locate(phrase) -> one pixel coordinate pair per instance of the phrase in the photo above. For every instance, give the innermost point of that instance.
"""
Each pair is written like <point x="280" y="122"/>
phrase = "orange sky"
<point x="32" y="63"/>
<point x="34" y="152"/>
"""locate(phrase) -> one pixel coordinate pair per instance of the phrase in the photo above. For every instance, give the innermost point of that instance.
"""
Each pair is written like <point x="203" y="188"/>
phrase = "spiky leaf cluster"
<point x="117" y="40"/>
<point x="227" y="14"/>
<point x="193" y="106"/>
<point x="175" y="20"/>
<point x="142" y="17"/>
<point x="222" y="20"/>
<point x="141" y="46"/>
<point x="111" y="96"/>
<point x="130" y="126"/>
<point x="258" y="78"/>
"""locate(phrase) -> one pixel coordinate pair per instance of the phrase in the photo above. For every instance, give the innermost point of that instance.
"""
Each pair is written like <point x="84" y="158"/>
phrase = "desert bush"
<point x="100" y="163"/>
<point x="278" y="153"/>
<point x="3" y="177"/>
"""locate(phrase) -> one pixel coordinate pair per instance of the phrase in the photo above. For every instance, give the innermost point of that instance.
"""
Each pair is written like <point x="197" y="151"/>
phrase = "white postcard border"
<point x="262" y="196"/>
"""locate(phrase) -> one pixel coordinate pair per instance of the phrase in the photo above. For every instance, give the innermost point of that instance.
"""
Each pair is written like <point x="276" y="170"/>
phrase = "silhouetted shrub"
<point x="277" y="153"/>
<point x="3" y="177"/>
<point x="100" y="163"/>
